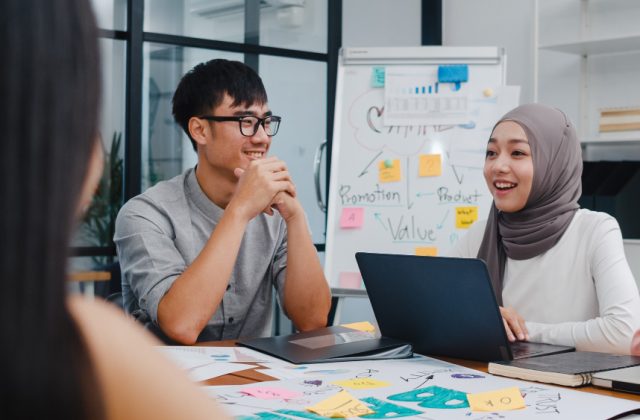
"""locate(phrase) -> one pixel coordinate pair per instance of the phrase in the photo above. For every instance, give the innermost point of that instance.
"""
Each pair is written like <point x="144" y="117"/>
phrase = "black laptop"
<point x="443" y="306"/>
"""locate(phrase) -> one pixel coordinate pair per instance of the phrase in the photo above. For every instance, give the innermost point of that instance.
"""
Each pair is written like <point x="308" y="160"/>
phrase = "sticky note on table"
<point x="362" y="383"/>
<point x="499" y="400"/>
<point x="342" y="404"/>
<point x="430" y="165"/>
<point x="453" y="73"/>
<point x="351" y="217"/>
<point x="349" y="280"/>
<point x="389" y="171"/>
<point x="364" y="326"/>
<point x="377" y="77"/>
<point x="268" y="393"/>
<point x="465" y="216"/>
<point x="427" y="251"/>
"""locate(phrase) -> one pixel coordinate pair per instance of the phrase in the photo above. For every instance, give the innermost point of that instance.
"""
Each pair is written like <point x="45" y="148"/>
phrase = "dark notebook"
<point x="330" y="344"/>
<point x="568" y="369"/>
<point x="443" y="306"/>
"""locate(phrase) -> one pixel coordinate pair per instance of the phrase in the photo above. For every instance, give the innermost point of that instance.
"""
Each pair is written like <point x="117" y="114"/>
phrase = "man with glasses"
<point x="201" y="253"/>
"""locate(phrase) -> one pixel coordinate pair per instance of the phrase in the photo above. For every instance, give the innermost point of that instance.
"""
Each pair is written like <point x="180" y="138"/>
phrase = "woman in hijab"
<point x="559" y="272"/>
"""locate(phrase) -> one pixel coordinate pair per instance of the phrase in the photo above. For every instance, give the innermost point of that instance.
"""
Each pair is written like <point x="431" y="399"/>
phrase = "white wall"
<point x="381" y="23"/>
<point x="503" y="23"/>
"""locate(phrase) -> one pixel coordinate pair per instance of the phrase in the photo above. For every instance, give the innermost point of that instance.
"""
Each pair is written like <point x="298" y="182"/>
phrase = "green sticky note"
<point x="388" y="163"/>
<point x="377" y="77"/>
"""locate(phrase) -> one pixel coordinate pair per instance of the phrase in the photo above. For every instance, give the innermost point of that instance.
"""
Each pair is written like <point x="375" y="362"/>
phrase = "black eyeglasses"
<point x="249" y="124"/>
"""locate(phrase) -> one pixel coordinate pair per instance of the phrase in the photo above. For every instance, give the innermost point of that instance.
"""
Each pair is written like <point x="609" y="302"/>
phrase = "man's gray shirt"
<point x="160" y="232"/>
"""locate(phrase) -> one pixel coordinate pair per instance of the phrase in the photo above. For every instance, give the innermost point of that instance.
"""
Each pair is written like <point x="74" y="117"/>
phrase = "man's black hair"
<point x="203" y="88"/>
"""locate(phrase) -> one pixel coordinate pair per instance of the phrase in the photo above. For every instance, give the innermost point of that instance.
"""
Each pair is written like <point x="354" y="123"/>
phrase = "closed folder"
<point x="330" y="344"/>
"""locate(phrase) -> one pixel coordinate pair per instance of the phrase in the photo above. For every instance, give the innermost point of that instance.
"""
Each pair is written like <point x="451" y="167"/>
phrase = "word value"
<point x="408" y="231"/>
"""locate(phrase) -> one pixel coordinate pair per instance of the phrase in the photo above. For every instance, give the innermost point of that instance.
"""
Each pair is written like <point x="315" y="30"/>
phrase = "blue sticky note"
<point x="377" y="77"/>
<point x="453" y="73"/>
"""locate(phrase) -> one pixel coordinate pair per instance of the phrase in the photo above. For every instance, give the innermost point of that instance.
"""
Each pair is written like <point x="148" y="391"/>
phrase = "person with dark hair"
<point x="201" y="253"/>
<point x="559" y="272"/>
<point x="63" y="357"/>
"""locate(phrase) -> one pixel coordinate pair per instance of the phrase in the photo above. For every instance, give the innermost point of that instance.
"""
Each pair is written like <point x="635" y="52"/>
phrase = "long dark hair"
<point x="49" y="90"/>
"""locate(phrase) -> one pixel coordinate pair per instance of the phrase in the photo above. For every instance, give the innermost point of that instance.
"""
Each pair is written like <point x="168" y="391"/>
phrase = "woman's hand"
<point x="514" y="325"/>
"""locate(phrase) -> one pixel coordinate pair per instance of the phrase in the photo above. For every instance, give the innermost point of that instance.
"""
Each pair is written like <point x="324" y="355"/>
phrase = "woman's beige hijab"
<point x="553" y="200"/>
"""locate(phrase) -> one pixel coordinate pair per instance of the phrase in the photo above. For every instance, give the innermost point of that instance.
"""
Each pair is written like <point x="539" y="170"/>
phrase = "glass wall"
<point x="147" y="45"/>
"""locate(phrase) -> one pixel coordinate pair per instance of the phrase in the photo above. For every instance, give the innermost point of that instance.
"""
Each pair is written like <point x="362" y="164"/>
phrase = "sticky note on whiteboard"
<point x="427" y="251"/>
<point x="377" y="77"/>
<point x="389" y="171"/>
<point x="498" y="400"/>
<point x="453" y="73"/>
<point x="465" y="216"/>
<point x="349" y="280"/>
<point x="430" y="165"/>
<point x="351" y="217"/>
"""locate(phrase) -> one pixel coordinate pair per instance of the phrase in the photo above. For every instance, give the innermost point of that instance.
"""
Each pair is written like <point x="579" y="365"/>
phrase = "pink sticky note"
<point x="265" y="393"/>
<point x="352" y="217"/>
<point x="349" y="280"/>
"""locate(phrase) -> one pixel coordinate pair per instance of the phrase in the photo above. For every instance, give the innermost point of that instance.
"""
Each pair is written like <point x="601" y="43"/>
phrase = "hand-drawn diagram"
<point x="409" y="152"/>
<point x="413" y="388"/>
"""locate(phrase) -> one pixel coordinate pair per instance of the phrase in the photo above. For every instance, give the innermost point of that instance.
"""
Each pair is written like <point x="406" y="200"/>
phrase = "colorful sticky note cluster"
<point x="465" y="216"/>
<point x="389" y="170"/>
<point x="342" y="404"/>
<point x="426" y="251"/>
<point x="430" y="165"/>
<point x="362" y="383"/>
<point x="351" y="217"/>
<point x="499" y="400"/>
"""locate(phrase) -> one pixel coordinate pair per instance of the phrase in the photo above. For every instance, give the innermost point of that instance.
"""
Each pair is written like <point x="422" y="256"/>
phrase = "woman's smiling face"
<point x="508" y="167"/>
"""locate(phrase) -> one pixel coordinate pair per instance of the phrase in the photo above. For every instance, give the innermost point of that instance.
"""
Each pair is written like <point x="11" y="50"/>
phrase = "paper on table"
<point x="219" y="354"/>
<point x="215" y="369"/>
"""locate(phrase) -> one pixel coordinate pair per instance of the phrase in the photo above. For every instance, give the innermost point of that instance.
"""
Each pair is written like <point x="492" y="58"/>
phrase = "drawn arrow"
<point x="424" y="194"/>
<point x="377" y="216"/>
<point x="439" y="225"/>
<point x="458" y="178"/>
<point x="409" y="203"/>
<point x="364" y="171"/>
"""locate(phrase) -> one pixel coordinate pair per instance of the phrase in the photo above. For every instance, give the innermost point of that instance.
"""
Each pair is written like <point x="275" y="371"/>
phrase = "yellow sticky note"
<point x="342" y="404"/>
<point x="430" y="165"/>
<point x="389" y="173"/>
<point x="499" y="400"/>
<point x="465" y="216"/>
<point x="427" y="251"/>
<point x="362" y="383"/>
<point x="364" y="326"/>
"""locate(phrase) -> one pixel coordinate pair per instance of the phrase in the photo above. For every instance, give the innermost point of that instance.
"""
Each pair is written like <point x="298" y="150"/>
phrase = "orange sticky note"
<point x="389" y="171"/>
<point x="465" y="216"/>
<point x="430" y="165"/>
<point x="342" y="404"/>
<point x="427" y="251"/>
<point x="351" y="217"/>
<point x="364" y="326"/>
<point x="349" y="280"/>
<point x="499" y="400"/>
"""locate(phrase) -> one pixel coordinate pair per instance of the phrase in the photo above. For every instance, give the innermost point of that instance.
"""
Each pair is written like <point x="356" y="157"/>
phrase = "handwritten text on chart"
<point x="445" y="196"/>
<point x="408" y="230"/>
<point x="376" y="196"/>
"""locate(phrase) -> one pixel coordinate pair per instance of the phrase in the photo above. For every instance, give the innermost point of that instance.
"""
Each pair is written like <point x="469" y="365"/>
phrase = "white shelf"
<point x="619" y="137"/>
<point x="597" y="46"/>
